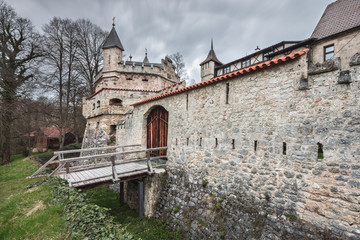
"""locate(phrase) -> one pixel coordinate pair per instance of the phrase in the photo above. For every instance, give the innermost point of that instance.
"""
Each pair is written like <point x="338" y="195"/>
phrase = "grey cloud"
<point x="186" y="26"/>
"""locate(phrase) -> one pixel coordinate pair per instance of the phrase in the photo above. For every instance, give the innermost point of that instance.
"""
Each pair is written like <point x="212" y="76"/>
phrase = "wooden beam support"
<point x="141" y="198"/>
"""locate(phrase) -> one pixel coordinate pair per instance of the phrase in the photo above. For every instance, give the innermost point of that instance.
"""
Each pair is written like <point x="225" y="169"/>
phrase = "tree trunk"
<point x="7" y="116"/>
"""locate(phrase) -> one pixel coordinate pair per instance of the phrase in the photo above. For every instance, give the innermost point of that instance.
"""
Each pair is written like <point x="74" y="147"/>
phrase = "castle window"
<point x="227" y="93"/>
<point x="112" y="129"/>
<point x="284" y="148"/>
<point x="320" y="151"/>
<point x="255" y="145"/>
<point x="266" y="55"/>
<point x="329" y="52"/>
<point x="115" y="102"/>
<point x="216" y="142"/>
<point x="187" y="101"/>
<point x="227" y="70"/>
<point x="98" y="104"/>
<point x="145" y="80"/>
<point x="129" y="79"/>
<point x="233" y="144"/>
<point x="93" y="106"/>
<point x="245" y="63"/>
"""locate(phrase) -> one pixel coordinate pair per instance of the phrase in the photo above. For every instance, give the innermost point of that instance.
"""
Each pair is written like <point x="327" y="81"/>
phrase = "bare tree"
<point x="179" y="64"/>
<point x="91" y="38"/>
<point x="19" y="47"/>
<point x="61" y="47"/>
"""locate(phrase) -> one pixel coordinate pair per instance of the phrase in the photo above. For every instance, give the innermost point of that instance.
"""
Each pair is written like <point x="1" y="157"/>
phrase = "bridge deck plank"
<point x="103" y="174"/>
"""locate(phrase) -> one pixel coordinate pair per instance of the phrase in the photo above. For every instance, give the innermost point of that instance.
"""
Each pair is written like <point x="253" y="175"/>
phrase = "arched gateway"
<point x="157" y="130"/>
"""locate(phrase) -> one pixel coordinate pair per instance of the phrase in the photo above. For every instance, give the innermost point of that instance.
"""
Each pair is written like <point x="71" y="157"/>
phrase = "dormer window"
<point x="329" y="52"/>
<point x="227" y="70"/>
<point x="115" y="102"/>
<point x="245" y="63"/>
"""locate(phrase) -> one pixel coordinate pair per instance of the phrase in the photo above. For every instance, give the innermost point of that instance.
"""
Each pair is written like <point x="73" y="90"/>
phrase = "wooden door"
<point x="157" y="130"/>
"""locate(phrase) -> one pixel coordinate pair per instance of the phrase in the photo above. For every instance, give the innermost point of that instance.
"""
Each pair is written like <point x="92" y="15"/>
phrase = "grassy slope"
<point x="27" y="214"/>
<point x="16" y="202"/>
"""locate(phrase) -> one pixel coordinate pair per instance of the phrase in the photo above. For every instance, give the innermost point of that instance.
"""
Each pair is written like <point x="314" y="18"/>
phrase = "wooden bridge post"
<point x="141" y="198"/>
<point x="121" y="192"/>
<point x="148" y="162"/>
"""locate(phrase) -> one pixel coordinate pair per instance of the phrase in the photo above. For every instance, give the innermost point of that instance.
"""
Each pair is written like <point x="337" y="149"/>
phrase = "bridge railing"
<point x="83" y="163"/>
<point x="59" y="155"/>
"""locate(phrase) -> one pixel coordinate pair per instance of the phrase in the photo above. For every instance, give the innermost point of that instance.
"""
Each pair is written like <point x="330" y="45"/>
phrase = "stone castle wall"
<point x="230" y="173"/>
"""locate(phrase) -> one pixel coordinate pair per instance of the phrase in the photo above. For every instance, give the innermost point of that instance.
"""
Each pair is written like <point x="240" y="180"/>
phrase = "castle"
<point x="264" y="147"/>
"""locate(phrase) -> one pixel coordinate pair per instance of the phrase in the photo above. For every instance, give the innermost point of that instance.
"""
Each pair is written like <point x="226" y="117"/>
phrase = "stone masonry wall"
<point x="249" y="168"/>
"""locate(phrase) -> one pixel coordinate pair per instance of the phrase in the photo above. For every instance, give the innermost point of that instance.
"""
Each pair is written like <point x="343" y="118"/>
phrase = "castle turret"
<point x="209" y="64"/>
<point x="113" y="50"/>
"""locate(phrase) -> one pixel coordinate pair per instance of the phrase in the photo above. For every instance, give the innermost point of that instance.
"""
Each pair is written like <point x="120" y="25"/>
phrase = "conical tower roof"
<point x="146" y="60"/>
<point x="211" y="56"/>
<point x="113" y="40"/>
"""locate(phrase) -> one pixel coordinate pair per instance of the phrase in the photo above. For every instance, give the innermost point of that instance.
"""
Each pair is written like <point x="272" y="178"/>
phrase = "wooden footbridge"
<point x="103" y="165"/>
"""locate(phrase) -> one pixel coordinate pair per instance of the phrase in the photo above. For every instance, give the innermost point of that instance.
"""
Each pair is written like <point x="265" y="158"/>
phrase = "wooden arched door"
<point x="157" y="130"/>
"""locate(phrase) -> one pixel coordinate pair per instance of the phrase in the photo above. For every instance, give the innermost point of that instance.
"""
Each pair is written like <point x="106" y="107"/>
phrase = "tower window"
<point x="98" y="104"/>
<point x="129" y="79"/>
<point x="255" y="145"/>
<point x="115" y="101"/>
<point x="145" y="80"/>
<point x="329" y="52"/>
<point x="112" y="129"/>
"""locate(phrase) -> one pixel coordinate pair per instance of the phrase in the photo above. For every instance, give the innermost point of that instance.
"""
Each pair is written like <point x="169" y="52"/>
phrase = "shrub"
<point x="85" y="220"/>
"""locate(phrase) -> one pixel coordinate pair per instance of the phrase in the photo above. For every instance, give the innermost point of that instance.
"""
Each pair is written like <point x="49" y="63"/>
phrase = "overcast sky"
<point x="187" y="26"/>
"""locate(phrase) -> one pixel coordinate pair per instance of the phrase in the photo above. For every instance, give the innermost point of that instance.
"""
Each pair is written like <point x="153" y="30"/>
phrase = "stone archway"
<point x="157" y="130"/>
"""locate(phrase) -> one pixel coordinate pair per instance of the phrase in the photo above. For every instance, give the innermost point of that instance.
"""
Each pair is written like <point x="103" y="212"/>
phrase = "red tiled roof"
<point x="50" y="132"/>
<point x="229" y="75"/>
<point x="135" y="90"/>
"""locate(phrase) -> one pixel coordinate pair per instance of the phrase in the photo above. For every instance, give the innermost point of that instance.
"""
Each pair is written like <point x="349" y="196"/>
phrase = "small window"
<point x="245" y="63"/>
<point x="129" y="79"/>
<point x="115" y="101"/>
<point x="98" y="104"/>
<point x="255" y="145"/>
<point x="145" y="80"/>
<point x="226" y="70"/>
<point x="93" y="106"/>
<point x="320" y="151"/>
<point x="266" y="55"/>
<point x="216" y="142"/>
<point x="329" y="52"/>
<point x="284" y="148"/>
<point x="227" y="93"/>
<point x="112" y="129"/>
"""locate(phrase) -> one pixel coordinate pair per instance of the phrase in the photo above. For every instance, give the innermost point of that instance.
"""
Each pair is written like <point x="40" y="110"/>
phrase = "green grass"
<point x="144" y="228"/>
<point x="19" y="218"/>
